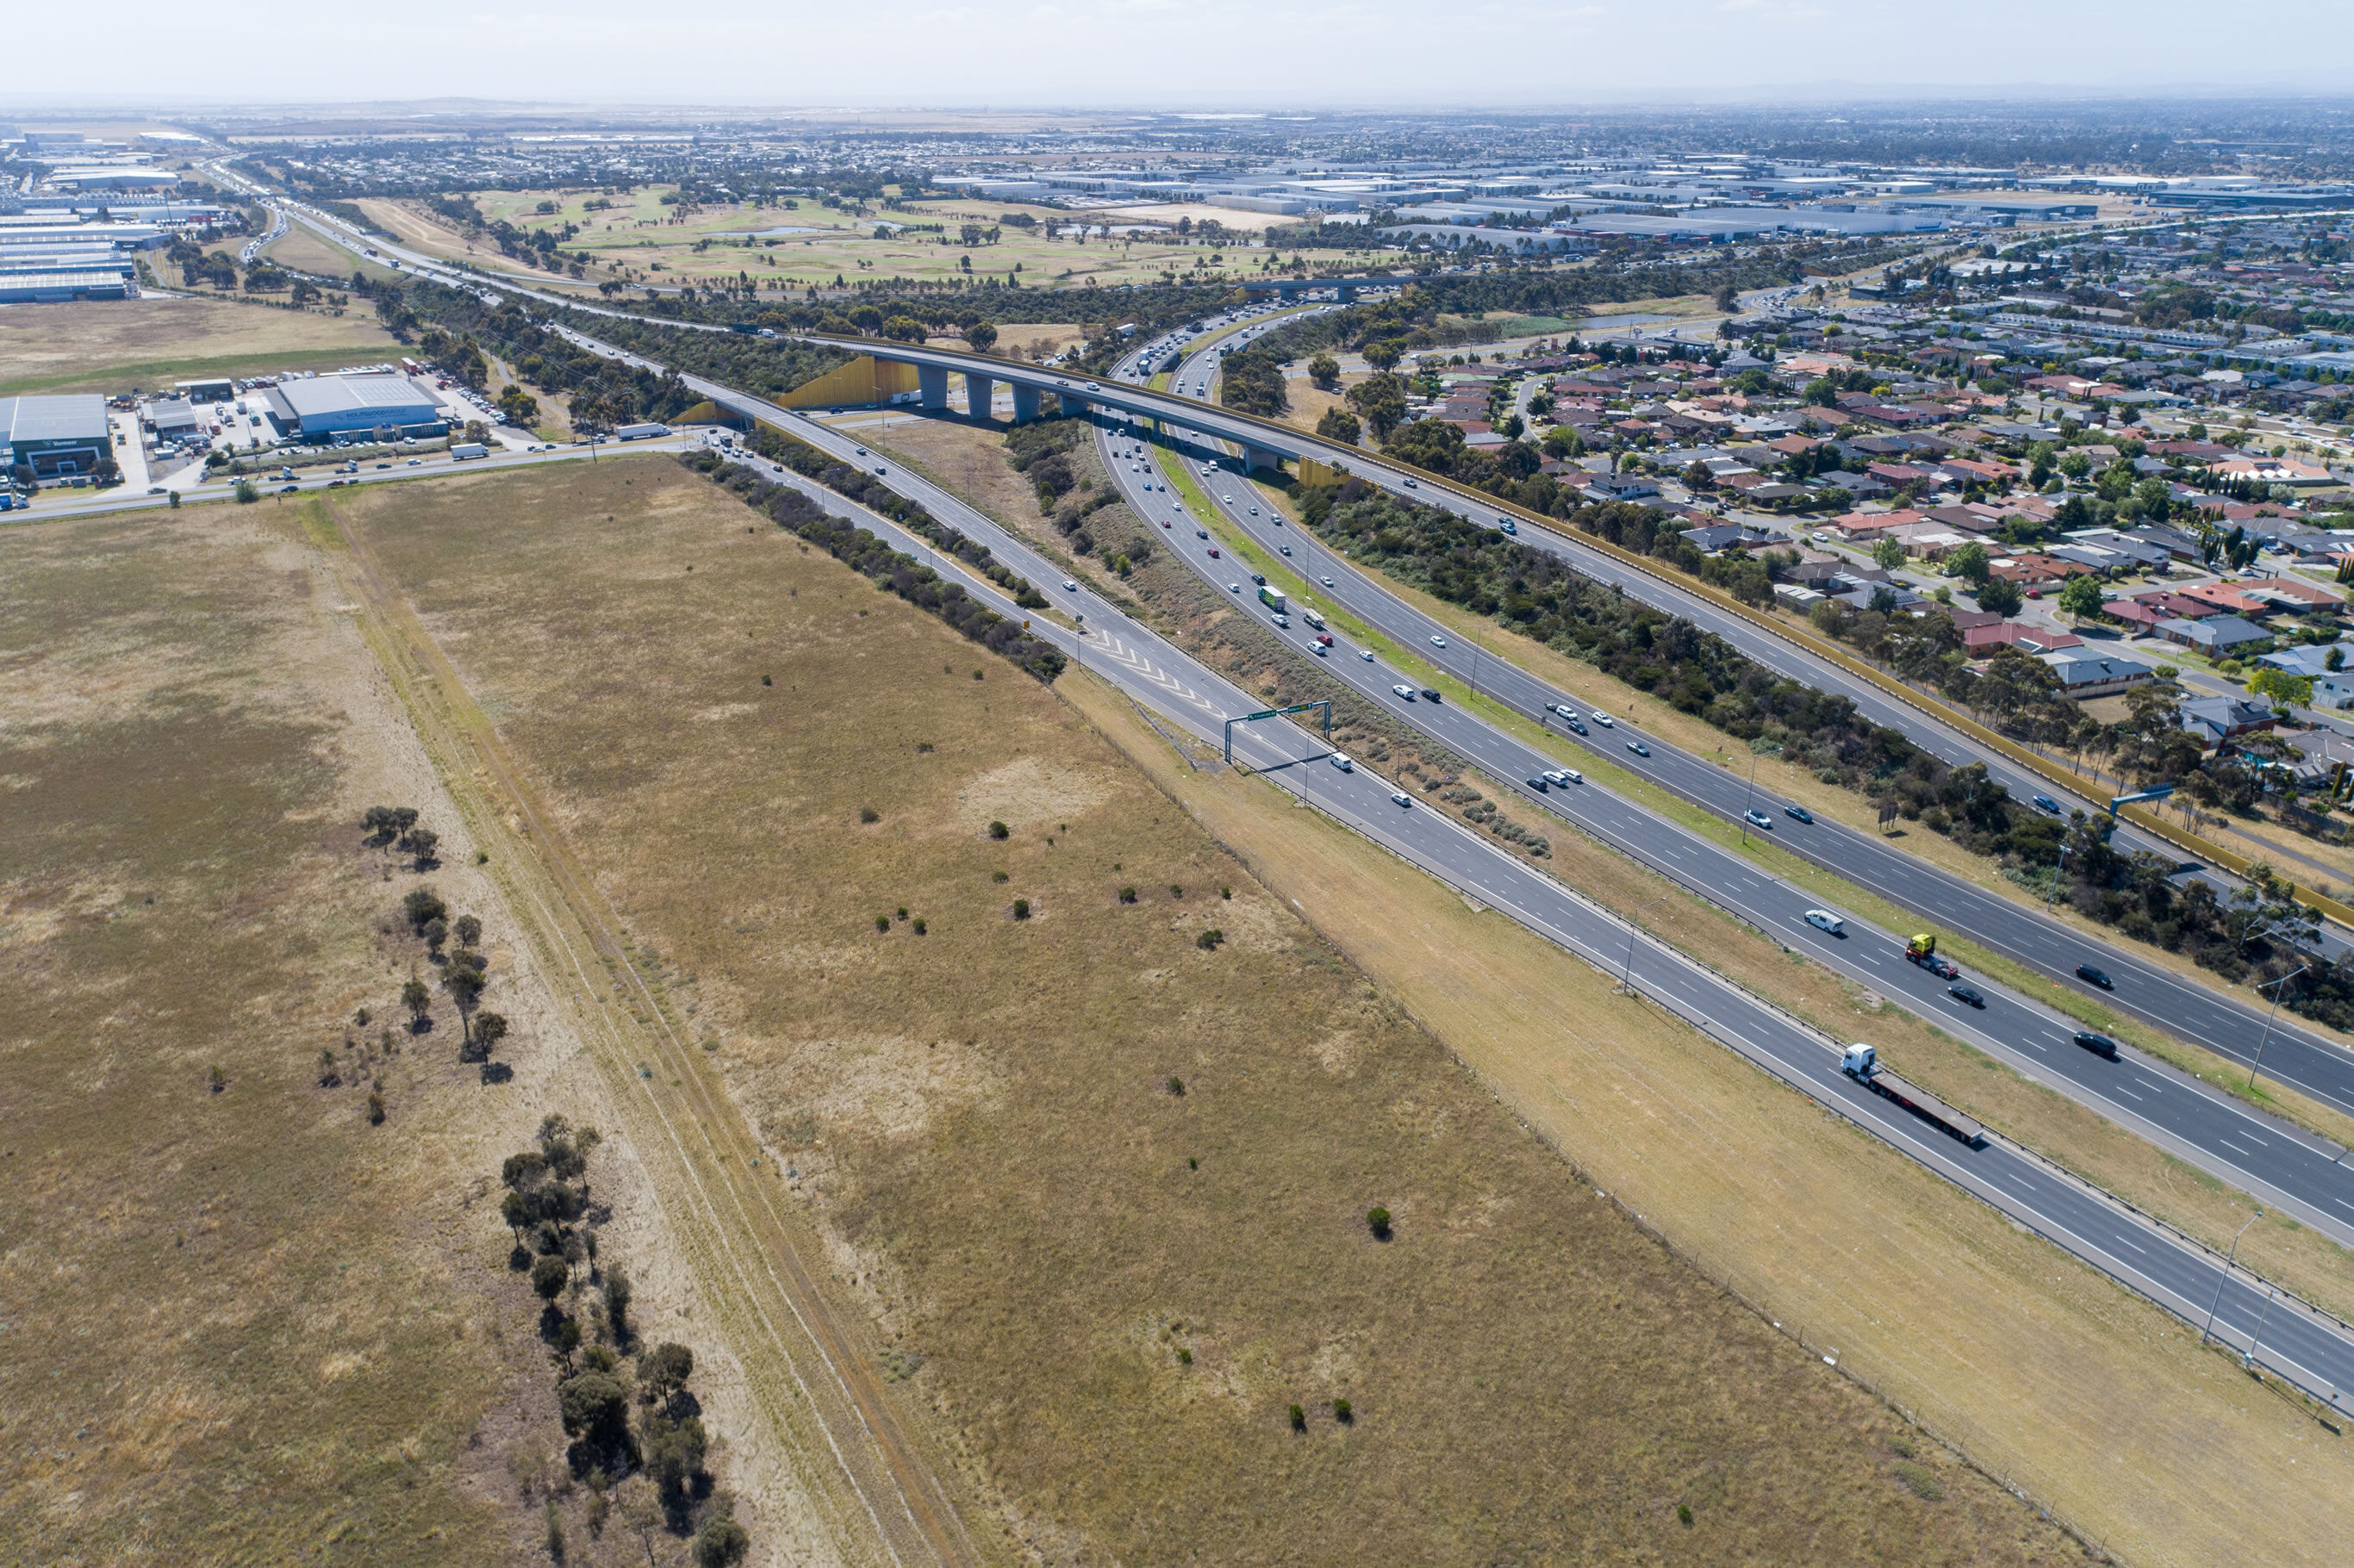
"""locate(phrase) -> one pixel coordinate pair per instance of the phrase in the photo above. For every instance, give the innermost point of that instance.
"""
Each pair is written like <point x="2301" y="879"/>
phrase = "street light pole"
<point x="2248" y="1361"/>
<point x="1750" y="803"/>
<point x="2053" y="890"/>
<point x="1627" y="979"/>
<point x="2269" y="1016"/>
<point x="2226" y="1274"/>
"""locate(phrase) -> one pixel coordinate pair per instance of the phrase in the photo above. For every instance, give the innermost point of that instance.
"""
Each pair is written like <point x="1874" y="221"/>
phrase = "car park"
<point x="1638" y="748"/>
<point x="1757" y="819"/>
<point x="2098" y="1045"/>
<point x="2092" y="976"/>
<point x="1798" y="813"/>
<point x="1825" y="921"/>
<point x="1966" y="994"/>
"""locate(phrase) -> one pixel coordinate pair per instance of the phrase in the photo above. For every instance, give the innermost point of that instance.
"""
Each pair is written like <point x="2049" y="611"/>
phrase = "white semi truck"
<point x="1861" y="1063"/>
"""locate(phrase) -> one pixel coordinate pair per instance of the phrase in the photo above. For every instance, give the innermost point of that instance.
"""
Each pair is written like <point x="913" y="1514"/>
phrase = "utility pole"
<point x="1627" y="979"/>
<point x="2227" y="1274"/>
<point x="2052" y="892"/>
<point x="2274" y="1012"/>
<point x="1750" y="803"/>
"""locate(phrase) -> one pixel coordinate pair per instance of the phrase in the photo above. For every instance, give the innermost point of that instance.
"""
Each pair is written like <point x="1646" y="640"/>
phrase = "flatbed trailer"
<point x="1861" y="1063"/>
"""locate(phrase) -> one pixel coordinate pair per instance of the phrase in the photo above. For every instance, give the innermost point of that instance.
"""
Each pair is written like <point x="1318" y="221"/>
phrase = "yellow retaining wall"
<point x="865" y="379"/>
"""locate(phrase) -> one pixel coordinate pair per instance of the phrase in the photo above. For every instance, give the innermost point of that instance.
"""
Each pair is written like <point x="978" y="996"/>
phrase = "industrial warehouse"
<point x="384" y="405"/>
<point x="53" y="438"/>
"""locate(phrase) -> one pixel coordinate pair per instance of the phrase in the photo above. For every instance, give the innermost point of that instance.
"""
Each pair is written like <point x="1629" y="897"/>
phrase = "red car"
<point x="1325" y="637"/>
<point x="1213" y="550"/>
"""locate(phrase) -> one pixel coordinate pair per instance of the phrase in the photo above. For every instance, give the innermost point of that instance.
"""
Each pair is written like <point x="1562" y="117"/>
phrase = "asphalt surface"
<point x="2305" y="1346"/>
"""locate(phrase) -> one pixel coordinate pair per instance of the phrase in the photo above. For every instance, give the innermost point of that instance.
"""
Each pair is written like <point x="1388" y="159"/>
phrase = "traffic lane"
<point x="2079" y="1221"/>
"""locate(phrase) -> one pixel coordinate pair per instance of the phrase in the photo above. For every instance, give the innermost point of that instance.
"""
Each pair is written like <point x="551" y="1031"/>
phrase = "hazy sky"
<point x="1113" y="54"/>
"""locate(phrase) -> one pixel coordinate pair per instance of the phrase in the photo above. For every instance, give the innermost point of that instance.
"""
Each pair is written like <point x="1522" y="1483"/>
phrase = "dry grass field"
<point x="1107" y="1292"/>
<point x="2100" y="1407"/>
<point x="114" y="345"/>
<point x="241" y="1322"/>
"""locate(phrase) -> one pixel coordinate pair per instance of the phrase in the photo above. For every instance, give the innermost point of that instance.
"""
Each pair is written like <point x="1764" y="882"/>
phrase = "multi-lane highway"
<point x="2316" y="1351"/>
<point x="2277" y="1163"/>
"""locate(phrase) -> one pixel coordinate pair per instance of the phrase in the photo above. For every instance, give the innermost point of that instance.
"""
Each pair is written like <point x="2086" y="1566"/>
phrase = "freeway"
<point x="2314" y="1063"/>
<point x="2306" y="1347"/>
<point x="2278" y="1163"/>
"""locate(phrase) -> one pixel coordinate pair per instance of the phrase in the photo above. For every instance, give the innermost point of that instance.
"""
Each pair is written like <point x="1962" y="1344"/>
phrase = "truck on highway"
<point x="1274" y="600"/>
<point x="465" y="449"/>
<point x="1861" y="1063"/>
<point x="1923" y="950"/>
<point x="1308" y="614"/>
<point x="640" y="433"/>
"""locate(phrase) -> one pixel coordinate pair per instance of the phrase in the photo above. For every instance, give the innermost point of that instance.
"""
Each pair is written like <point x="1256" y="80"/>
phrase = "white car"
<point x="1340" y="759"/>
<point x="1405" y="693"/>
<point x="1438" y="642"/>
<point x="1553" y="776"/>
<point x="1233" y="587"/>
<point x="1824" y="920"/>
<point x="1366" y="654"/>
<point x="1604" y="720"/>
<point x="1401" y="798"/>
<point x="1326" y="581"/>
<point x="1070" y="587"/>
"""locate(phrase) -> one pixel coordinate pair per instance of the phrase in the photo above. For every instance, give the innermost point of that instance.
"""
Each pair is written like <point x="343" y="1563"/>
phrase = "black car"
<point x="1800" y="812"/>
<point x="2092" y="976"/>
<point x="2098" y="1045"/>
<point x="1538" y="784"/>
<point x="1430" y="694"/>
<point x="1966" y="993"/>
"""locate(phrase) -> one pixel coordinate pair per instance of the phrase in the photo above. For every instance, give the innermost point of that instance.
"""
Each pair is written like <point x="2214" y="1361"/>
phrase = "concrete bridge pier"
<point x="1261" y="457"/>
<point x="932" y="383"/>
<point x="980" y="395"/>
<point x="1026" y="403"/>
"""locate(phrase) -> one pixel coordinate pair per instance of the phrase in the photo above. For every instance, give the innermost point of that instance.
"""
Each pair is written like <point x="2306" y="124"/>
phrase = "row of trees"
<point x="636" y="1429"/>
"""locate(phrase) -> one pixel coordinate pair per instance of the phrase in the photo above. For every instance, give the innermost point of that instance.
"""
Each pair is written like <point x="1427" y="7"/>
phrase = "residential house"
<point x="2217" y="635"/>
<point x="2331" y="688"/>
<point x="2215" y="720"/>
<point x="2084" y="674"/>
<point x="1980" y="641"/>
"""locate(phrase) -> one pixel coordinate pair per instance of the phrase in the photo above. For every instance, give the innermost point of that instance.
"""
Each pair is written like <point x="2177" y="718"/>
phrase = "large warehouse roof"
<point x="72" y="417"/>
<point x="326" y="395"/>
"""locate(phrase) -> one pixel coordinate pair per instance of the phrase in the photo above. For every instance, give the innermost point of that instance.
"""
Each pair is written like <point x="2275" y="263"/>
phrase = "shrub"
<point x="1184" y="1357"/>
<point x="1022" y="909"/>
<point x="422" y="907"/>
<point x="1176" y="1086"/>
<point x="1127" y="896"/>
<point x="882" y="922"/>
<point x="998" y="876"/>
<point x="1377" y="1220"/>
<point x="218" y="1079"/>
<point x="376" y="1107"/>
<point x="918" y="926"/>
<point x="1684" y="1513"/>
<point x="996" y="830"/>
<point x="1175" y="890"/>
<point x="1343" y="1412"/>
<point x="869" y="814"/>
<point x="1208" y="940"/>
<point x="1299" y="1419"/>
